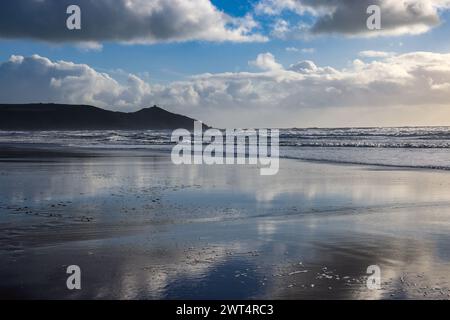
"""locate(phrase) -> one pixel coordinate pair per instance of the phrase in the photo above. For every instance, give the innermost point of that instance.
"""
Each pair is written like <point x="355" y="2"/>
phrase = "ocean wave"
<point x="370" y="163"/>
<point x="367" y="144"/>
<point x="421" y="147"/>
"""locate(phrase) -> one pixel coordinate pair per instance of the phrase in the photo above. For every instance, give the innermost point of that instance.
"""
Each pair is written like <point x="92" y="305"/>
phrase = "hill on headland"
<point x="83" y="117"/>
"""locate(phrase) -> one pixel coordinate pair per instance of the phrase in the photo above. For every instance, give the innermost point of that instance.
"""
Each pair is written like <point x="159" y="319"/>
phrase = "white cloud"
<point x="129" y="21"/>
<point x="90" y="46"/>
<point x="266" y="61"/>
<point x="303" y="50"/>
<point x="386" y="90"/>
<point x="375" y="54"/>
<point x="283" y="29"/>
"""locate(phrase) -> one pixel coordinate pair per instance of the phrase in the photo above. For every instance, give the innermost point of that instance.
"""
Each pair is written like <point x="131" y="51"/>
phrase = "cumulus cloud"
<point x="35" y="78"/>
<point x="131" y="21"/>
<point x="266" y="61"/>
<point x="398" y="17"/>
<point x="275" y="96"/>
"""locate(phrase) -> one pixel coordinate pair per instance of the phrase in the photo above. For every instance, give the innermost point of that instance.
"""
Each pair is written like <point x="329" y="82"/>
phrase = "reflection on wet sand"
<point x="142" y="228"/>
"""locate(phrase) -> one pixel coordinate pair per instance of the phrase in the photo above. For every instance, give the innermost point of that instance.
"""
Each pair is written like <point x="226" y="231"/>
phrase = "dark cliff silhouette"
<point x="84" y="117"/>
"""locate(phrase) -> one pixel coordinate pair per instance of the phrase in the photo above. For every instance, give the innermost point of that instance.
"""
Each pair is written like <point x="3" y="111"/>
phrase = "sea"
<point x="409" y="147"/>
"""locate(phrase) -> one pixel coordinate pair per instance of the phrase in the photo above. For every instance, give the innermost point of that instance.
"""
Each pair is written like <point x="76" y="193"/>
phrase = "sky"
<point x="235" y="63"/>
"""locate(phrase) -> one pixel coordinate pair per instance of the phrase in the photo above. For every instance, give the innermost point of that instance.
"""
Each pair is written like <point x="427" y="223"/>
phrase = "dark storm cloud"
<point x="122" y="20"/>
<point x="349" y="17"/>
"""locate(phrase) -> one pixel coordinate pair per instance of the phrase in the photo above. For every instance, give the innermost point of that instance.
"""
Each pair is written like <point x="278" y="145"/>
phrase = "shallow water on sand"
<point x="140" y="227"/>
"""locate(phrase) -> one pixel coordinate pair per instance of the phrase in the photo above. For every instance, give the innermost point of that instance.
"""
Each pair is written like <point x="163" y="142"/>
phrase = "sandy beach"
<point x="140" y="227"/>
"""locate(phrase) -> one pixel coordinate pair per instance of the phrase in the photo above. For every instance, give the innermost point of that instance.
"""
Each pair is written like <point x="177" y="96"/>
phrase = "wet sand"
<point x="142" y="228"/>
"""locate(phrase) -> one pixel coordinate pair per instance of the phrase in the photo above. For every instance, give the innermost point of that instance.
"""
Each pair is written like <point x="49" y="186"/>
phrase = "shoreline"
<point x="39" y="150"/>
